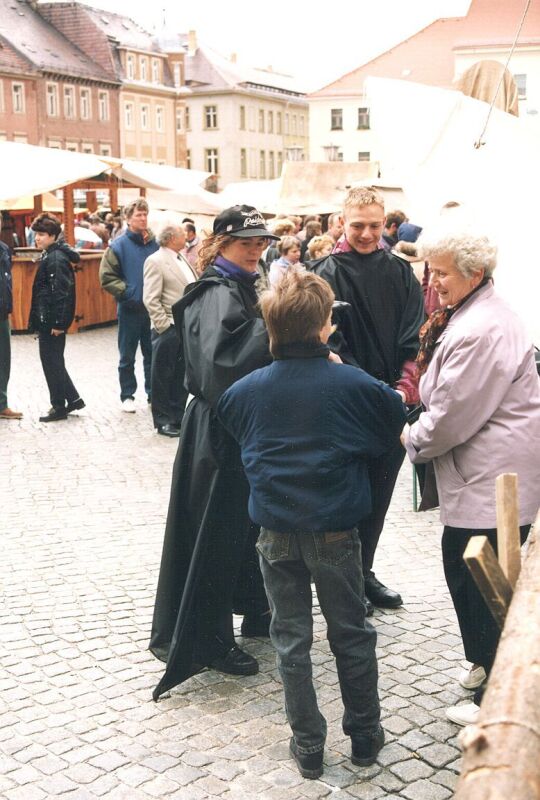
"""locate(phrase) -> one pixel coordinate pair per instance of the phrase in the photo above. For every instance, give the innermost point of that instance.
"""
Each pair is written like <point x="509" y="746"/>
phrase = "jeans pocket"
<point x="335" y="547"/>
<point x="273" y="546"/>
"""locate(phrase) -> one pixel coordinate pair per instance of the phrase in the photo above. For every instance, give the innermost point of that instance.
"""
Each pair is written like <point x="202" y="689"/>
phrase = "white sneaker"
<point x="128" y="405"/>
<point x="472" y="677"/>
<point x="463" y="715"/>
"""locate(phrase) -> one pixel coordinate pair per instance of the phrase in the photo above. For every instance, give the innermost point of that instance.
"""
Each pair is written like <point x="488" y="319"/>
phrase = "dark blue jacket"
<point x="6" y="288"/>
<point x="306" y="428"/>
<point x="131" y="251"/>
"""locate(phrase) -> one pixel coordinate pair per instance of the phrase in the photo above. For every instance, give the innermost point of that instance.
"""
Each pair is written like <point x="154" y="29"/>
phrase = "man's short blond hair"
<point x="363" y="196"/>
<point x="139" y="204"/>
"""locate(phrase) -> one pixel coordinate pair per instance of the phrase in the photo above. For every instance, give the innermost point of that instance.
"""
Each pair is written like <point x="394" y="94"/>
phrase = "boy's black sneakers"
<point x="309" y="764"/>
<point x="365" y="749"/>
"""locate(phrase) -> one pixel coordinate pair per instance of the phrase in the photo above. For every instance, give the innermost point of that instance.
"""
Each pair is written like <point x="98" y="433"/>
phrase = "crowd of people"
<point x="311" y="363"/>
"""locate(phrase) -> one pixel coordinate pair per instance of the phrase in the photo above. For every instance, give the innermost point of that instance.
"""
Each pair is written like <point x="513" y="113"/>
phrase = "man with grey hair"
<point x="121" y="274"/>
<point x="335" y="226"/>
<point x="166" y="275"/>
<point x="379" y="334"/>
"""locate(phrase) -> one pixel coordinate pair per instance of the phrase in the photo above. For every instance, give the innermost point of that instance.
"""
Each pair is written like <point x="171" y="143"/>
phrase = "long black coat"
<point x="224" y="339"/>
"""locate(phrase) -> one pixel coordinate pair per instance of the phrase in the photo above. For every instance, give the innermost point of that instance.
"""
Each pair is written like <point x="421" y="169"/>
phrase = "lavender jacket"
<point x="482" y="397"/>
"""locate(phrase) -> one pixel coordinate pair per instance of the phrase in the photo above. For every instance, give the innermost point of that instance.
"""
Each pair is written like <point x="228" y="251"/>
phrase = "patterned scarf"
<point x="431" y="330"/>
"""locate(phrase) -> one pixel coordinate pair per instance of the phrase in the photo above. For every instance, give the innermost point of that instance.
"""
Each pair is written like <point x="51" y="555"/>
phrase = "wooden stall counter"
<point x="93" y="307"/>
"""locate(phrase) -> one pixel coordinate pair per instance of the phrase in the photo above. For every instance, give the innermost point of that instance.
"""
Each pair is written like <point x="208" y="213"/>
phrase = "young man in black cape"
<point x="379" y="334"/>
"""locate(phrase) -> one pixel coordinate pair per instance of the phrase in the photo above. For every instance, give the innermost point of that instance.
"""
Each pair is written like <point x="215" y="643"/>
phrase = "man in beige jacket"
<point x="166" y="274"/>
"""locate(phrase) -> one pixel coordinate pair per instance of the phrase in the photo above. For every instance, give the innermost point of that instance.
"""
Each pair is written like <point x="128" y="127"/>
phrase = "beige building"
<point x="240" y="123"/>
<point x="437" y="55"/>
<point x="150" y="100"/>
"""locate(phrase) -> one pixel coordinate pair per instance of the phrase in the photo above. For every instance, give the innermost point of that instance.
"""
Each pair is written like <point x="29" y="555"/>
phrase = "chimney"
<point x="192" y="43"/>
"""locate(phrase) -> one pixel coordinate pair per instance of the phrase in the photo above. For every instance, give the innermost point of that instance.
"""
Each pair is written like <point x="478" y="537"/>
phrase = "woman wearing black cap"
<point x="209" y="565"/>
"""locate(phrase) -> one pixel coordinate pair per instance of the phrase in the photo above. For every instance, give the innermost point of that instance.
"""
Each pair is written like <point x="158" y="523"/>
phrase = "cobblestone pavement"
<point x="82" y="521"/>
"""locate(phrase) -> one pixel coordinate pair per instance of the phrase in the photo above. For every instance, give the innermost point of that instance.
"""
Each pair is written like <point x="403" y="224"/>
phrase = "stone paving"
<point x="82" y="520"/>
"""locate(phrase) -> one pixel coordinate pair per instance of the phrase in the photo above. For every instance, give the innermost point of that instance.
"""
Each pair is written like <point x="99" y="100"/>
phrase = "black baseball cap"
<point x="244" y="222"/>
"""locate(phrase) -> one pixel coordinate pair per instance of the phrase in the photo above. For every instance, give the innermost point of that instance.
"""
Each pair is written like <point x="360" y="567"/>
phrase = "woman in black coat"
<point x="209" y="566"/>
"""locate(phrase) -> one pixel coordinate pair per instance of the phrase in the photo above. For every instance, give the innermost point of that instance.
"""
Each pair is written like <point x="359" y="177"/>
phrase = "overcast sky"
<point x="290" y="35"/>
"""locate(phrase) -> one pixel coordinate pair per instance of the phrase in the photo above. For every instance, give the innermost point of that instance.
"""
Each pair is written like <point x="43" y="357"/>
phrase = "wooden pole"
<point x="38" y="204"/>
<point x="69" y="224"/>
<point x="113" y="197"/>
<point x="489" y="577"/>
<point x="502" y="751"/>
<point x="508" y="542"/>
<point x="91" y="201"/>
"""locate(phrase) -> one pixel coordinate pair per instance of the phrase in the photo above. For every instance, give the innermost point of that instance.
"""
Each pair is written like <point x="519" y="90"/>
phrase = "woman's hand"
<point x="334" y="357"/>
<point x="404" y="433"/>
<point x="56" y="332"/>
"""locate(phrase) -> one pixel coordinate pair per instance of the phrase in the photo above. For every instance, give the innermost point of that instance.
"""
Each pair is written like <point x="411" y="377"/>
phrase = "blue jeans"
<point x="133" y="328"/>
<point x="289" y="561"/>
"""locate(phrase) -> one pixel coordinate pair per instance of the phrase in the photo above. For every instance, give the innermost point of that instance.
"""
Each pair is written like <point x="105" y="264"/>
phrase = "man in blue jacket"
<point x="121" y="273"/>
<point x="306" y="426"/>
<point x="6" y="307"/>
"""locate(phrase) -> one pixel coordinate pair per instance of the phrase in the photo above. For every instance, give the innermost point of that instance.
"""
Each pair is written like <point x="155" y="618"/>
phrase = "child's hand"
<point x="334" y="357"/>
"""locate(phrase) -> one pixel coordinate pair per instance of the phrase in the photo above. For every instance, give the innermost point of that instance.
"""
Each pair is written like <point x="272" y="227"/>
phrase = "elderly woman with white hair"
<point x="481" y="395"/>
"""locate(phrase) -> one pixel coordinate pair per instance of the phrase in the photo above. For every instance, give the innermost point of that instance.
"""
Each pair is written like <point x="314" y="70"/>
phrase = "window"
<point x="278" y="121"/>
<point x="143" y="66"/>
<point x="302" y="125"/>
<point x="210" y="117"/>
<point x="242" y="118"/>
<point x="52" y="100"/>
<point x="211" y="160"/>
<point x="178" y="120"/>
<point x="187" y="119"/>
<point x="69" y="102"/>
<point x="177" y="72"/>
<point x="521" y="83"/>
<point x="103" y="105"/>
<point x="188" y="159"/>
<point x="270" y="122"/>
<point x="363" y="119"/>
<point x="262" y="164"/>
<point x="363" y="155"/>
<point x="336" y="119"/>
<point x="252" y="162"/>
<point x="271" y="165"/>
<point x="145" y="117"/>
<point x="279" y="163"/>
<point x="294" y="124"/>
<point x="128" y="116"/>
<point x="54" y="144"/>
<point x="155" y="70"/>
<point x="87" y="148"/>
<point x="339" y="155"/>
<point x="105" y="150"/>
<point x="243" y="163"/>
<point x="130" y="67"/>
<point x="18" y="137"/>
<point x="251" y="112"/>
<point x="86" y="104"/>
<point x="72" y="147"/>
<point x="261" y="121"/>
<point x="160" y="117"/>
<point x="286" y="131"/>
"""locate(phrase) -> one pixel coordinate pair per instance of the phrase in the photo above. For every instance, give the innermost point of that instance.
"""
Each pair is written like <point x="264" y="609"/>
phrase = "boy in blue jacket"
<point x="306" y="425"/>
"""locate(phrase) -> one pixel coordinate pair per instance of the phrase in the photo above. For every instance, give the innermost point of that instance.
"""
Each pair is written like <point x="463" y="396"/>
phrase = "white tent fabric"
<point x="432" y="155"/>
<point x="193" y="201"/>
<point x="30" y="170"/>
<point x="158" y="176"/>
<point x="264" y="195"/>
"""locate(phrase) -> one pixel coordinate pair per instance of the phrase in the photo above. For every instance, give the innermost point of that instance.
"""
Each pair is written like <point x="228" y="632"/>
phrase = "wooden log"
<point x="508" y="543"/>
<point x="502" y="751"/>
<point x="489" y="577"/>
<point x="69" y="218"/>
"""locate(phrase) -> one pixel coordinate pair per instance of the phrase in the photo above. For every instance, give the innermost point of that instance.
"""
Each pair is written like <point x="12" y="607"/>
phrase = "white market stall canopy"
<point x="434" y="158"/>
<point x="158" y="176"/>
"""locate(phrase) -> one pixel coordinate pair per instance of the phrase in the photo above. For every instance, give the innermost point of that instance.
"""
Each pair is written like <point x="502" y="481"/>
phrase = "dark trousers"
<point x="5" y="361"/>
<point x="168" y="393"/>
<point x="51" y="353"/>
<point x="133" y="329"/>
<point x="332" y="560"/>
<point x="383" y="474"/>
<point x="479" y="631"/>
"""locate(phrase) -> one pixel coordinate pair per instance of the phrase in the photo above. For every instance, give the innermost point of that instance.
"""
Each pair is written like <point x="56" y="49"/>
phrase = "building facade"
<point x="240" y="123"/>
<point x="438" y="55"/>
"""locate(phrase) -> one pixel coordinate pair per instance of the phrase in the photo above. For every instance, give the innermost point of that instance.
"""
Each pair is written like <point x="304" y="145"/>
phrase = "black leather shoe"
<point x="236" y="662"/>
<point x="309" y="764"/>
<point x="168" y="430"/>
<point x="256" y="624"/>
<point x="365" y="749"/>
<point x="54" y="415"/>
<point x="76" y="405"/>
<point x="379" y="594"/>
<point x="369" y="607"/>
